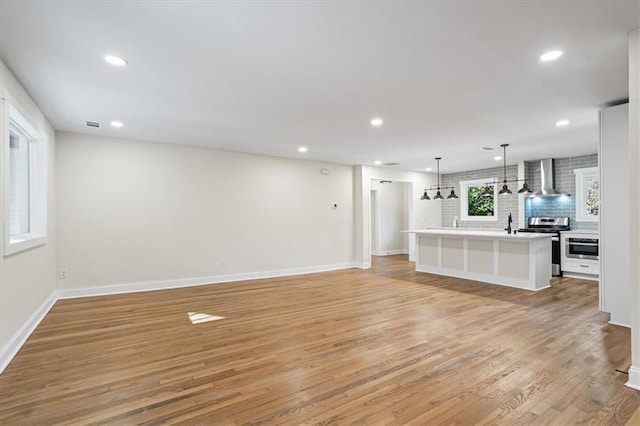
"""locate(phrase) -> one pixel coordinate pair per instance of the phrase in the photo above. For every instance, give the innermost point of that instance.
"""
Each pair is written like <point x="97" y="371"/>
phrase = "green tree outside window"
<point x="477" y="205"/>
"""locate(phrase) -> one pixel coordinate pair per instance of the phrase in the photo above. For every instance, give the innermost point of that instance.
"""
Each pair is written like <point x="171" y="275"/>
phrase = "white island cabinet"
<point x="513" y="260"/>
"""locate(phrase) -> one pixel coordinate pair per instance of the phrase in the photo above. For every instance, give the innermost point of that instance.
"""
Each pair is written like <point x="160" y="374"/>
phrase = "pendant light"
<point x="488" y="188"/>
<point x="505" y="189"/>
<point x="525" y="189"/>
<point x="439" y="196"/>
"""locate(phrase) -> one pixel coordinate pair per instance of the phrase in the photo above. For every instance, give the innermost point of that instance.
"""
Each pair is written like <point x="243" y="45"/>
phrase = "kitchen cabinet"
<point x="514" y="260"/>
<point x="615" y="283"/>
<point x="589" y="270"/>
<point x="579" y="268"/>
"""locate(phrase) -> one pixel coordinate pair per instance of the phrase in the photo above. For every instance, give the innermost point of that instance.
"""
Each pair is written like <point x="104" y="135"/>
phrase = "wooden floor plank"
<point x="381" y="346"/>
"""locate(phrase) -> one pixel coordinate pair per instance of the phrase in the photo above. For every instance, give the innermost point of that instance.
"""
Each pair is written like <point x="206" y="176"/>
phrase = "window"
<point x="587" y="194"/>
<point x="25" y="184"/>
<point x="473" y="205"/>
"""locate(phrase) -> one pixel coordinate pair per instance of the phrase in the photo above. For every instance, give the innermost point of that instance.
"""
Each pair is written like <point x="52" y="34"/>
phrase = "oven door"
<point x="582" y="248"/>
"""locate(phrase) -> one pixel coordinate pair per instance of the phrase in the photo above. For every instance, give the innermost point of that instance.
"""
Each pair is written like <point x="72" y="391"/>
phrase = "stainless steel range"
<point x="550" y="225"/>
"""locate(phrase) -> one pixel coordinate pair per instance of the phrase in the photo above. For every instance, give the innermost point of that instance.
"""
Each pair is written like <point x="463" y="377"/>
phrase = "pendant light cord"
<point x="504" y="161"/>
<point x="504" y="164"/>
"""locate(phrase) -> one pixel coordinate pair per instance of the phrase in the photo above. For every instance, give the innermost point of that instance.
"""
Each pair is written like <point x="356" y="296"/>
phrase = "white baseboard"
<point x="590" y="277"/>
<point x="620" y="324"/>
<point x="70" y="293"/>
<point x="389" y="252"/>
<point x="634" y="378"/>
<point x="483" y="278"/>
<point x="15" y="343"/>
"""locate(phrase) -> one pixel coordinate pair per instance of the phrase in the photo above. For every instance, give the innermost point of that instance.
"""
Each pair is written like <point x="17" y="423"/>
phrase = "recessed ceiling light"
<point x="117" y="124"/>
<point x="428" y="169"/>
<point x="487" y="148"/>
<point x="116" y="60"/>
<point x="376" y="122"/>
<point x="562" y="123"/>
<point x="550" y="56"/>
<point x="377" y="162"/>
<point x="302" y="149"/>
<point x="497" y="158"/>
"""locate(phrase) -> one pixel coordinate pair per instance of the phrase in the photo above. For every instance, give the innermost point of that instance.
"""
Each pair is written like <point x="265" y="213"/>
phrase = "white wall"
<point x="135" y="212"/>
<point x="28" y="278"/>
<point x="392" y="210"/>
<point x="615" y="287"/>
<point x="425" y="213"/>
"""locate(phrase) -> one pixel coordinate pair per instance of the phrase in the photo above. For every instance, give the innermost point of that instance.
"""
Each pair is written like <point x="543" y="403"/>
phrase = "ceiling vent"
<point x="94" y="124"/>
<point x="390" y="164"/>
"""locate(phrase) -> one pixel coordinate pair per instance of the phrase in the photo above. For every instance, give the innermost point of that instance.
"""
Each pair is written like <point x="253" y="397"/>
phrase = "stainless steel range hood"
<point x="546" y="180"/>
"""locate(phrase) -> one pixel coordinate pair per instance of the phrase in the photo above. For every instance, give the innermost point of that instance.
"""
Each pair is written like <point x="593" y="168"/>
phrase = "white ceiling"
<point x="266" y="77"/>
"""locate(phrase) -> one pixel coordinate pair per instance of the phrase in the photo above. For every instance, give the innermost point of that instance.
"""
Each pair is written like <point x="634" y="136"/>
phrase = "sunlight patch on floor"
<point x="197" y="317"/>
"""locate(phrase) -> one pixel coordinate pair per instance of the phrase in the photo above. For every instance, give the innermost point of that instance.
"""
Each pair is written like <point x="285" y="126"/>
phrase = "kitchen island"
<point x="513" y="260"/>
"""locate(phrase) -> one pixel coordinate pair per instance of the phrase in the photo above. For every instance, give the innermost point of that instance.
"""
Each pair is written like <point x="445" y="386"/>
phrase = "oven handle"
<point x="582" y="244"/>
<point x="582" y="256"/>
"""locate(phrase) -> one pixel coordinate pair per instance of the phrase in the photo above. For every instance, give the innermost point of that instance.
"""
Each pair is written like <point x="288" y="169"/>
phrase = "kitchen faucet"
<point x="509" y="221"/>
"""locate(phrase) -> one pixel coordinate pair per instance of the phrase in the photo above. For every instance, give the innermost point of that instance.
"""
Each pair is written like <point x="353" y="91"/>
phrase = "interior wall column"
<point x="634" y="204"/>
<point x="521" y="197"/>
<point x="361" y="225"/>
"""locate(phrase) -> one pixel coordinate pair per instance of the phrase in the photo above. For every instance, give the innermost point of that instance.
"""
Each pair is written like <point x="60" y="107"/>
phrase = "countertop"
<point x="478" y="233"/>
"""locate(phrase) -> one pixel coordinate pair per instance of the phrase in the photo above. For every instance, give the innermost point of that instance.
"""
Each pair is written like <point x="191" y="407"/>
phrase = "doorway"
<point x="389" y="217"/>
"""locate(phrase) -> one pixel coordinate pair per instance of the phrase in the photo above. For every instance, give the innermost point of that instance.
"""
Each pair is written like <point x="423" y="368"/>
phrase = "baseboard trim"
<point x="90" y="291"/>
<point x="619" y="324"/>
<point x="634" y="378"/>
<point x="389" y="252"/>
<point x="590" y="277"/>
<point x="482" y="278"/>
<point x="17" y="341"/>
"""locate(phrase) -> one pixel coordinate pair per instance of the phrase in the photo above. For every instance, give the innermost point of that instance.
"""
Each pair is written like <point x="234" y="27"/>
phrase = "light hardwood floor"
<point x="382" y="346"/>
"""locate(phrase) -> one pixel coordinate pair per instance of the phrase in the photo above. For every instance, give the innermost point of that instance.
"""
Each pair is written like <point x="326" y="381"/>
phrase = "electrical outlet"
<point x="223" y="262"/>
<point x="63" y="274"/>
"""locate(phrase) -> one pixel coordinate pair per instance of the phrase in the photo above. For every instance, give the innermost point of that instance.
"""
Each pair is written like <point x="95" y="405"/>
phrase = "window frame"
<point x="581" y="175"/>
<point x="464" y="201"/>
<point x="37" y="235"/>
